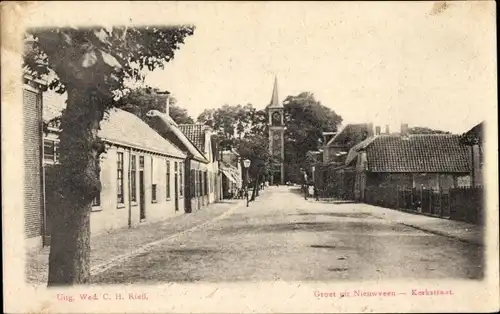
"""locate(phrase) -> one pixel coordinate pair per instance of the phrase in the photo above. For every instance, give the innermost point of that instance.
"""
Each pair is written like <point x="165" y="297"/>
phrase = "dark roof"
<point x="415" y="153"/>
<point x="195" y="133"/>
<point x="350" y="135"/>
<point x="474" y="135"/>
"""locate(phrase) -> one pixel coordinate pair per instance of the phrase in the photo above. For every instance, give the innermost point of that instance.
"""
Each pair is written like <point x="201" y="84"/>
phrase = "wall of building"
<point x="212" y="168"/>
<point x="33" y="183"/>
<point x="198" y="188"/>
<point x="107" y="212"/>
<point x="111" y="214"/>
<point x="444" y="181"/>
<point x="477" y="165"/>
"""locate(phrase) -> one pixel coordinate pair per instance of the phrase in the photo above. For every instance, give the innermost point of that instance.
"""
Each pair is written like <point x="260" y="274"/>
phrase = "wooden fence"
<point x="462" y="204"/>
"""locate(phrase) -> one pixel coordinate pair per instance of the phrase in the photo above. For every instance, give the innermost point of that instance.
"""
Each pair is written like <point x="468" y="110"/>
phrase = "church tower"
<point x="275" y="111"/>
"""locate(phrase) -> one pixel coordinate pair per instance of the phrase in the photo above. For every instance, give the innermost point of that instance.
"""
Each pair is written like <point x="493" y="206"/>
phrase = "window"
<point x="205" y="182"/>
<point x="200" y="182"/>
<point x="167" y="183"/>
<point x="119" y="178"/>
<point x="153" y="193"/>
<point x="181" y="179"/>
<point x="196" y="179"/>
<point x="153" y="182"/>
<point x="49" y="151"/>
<point x="96" y="201"/>
<point x="192" y="186"/>
<point x="141" y="162"/>
<point x="133" y="176"/>
<point x="56" y="151"/>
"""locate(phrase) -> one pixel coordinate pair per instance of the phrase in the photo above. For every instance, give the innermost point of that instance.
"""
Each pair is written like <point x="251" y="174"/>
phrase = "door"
<point x="142" y="196"/>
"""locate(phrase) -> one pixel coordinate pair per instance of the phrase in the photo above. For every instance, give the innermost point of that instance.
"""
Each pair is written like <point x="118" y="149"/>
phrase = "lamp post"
<point x="246" y="164"/>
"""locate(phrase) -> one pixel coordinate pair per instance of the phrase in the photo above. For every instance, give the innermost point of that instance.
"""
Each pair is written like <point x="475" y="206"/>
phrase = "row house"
<point x="141" y="174"/>
<point x="196" y="166"/>
<point x="202" y="136"/>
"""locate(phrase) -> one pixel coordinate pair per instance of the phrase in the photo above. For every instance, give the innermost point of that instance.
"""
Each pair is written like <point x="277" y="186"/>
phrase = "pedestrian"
<point x="304" y="183"/>
<point x="316" y="192"/>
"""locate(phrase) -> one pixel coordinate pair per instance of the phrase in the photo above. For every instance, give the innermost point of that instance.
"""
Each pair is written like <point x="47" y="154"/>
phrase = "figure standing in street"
<point x="304" y="183"/>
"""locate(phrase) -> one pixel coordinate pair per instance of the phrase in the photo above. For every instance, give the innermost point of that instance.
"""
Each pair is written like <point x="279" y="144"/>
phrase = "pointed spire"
<point x="274" y="98"/>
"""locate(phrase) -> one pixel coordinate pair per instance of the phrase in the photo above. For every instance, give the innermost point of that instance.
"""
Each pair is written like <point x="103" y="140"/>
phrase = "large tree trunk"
<point x="69" y="260"/>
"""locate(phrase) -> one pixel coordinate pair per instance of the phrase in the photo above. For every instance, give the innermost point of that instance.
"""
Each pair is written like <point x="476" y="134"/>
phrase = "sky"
<point x="381" y="62"/>
<point x="385" y="63"/>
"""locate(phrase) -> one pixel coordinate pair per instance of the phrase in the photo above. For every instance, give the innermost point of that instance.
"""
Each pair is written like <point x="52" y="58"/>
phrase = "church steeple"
<point x="275" y="113"/>
<point x="274" y="98"/>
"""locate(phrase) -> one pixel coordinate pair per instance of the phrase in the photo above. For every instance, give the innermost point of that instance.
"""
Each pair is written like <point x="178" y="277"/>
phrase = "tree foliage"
<point x="234" y="122"/>
<point x="92" y="66"/>
<point x="244" y="129"/>
<point x="425" y="130"/>
<point x="305" y="119"/>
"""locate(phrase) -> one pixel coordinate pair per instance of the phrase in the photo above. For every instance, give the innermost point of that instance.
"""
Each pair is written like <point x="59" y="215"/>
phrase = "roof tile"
<point x="417" y="153"/>
<point x="195" y="133"/>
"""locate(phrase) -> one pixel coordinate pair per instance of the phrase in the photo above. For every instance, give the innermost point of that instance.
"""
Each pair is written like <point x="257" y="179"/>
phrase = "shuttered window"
<point x="119" y="178"/>
<point x="133" y="177"/>
<point x="167" y="179"/>
<point x="181" y="179"/>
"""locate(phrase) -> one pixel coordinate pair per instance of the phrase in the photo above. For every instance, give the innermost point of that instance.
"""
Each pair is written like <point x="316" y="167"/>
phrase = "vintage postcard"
<point x="240" y="157"/>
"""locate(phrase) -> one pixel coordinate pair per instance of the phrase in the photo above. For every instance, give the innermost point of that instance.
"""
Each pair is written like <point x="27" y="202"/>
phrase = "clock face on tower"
<point x="276" y="117"/>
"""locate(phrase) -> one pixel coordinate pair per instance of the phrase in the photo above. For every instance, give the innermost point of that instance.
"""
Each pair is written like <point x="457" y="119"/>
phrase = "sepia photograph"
<point x="250" y="157"/>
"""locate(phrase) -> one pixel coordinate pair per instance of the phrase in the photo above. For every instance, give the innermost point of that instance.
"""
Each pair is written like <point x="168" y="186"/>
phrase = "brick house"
<point x="141" y="173"/>
<point x="437" y="161"/>
<point x="34" y="211"/>
<point x="202" y="137"/>
<point x="196" y="165"/>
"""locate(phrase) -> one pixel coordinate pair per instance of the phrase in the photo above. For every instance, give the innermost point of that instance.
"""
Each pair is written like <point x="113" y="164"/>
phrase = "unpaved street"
<point x="281" y="236"/>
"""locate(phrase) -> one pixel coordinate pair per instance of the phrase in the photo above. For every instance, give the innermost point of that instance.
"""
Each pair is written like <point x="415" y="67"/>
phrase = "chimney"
<point x="404" y="129"/>
<point x="377" y="130"/>
<point x="165" y="95"/>
<point x="370" y="129"/>
<point x="387" y="131"/>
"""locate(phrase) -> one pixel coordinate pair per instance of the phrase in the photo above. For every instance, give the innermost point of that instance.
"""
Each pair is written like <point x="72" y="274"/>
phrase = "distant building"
<point x="275" y="112"/>
<point x="197" y="167"/>
<point x="232" y="171"/>
<point x="338" y="144"/>
<point x="202" y="137"/>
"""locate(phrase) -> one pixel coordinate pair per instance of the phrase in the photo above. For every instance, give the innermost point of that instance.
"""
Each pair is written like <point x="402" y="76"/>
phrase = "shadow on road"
<point x="340" y="215"/>
<point x="334" y="226"/>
